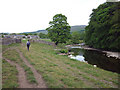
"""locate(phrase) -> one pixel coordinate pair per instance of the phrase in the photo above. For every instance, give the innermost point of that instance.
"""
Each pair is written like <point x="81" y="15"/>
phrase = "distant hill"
<point x="38" y="31"/>
<point x="78" y="28"/>
<point x="42" y="31"/>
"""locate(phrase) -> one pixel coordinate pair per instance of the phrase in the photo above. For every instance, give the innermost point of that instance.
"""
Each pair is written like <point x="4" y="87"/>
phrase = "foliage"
<point x="103" y="30"/>
<point x="69" y="42"/>
<point x="25" y="34"/>
<point x="2" y="36"/>
<point x="63" y="51"/>
<point x="76" y="37"/>
<point x="59" y="30"/>
<point x="4" y="33"/>
<point x="13" y="34"/>
<point x="34" y="33"/>
<point x="42" y="35"/>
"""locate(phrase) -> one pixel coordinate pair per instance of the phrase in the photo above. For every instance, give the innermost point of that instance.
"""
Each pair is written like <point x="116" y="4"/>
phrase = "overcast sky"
<point x="31" y="15"/>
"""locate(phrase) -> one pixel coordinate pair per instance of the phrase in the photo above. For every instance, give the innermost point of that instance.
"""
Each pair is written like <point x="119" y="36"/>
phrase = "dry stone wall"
<point x="45" y="42"/>
<point x="7" y="41"/>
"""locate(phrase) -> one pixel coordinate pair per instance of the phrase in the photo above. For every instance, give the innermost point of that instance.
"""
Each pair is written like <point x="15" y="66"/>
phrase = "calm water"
<point x="96" y="58"/>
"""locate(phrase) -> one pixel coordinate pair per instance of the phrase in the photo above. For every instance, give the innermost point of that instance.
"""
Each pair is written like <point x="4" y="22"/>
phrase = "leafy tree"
<point x="59" y="30"/>
<point x="30" y="33"/>
<point x="4" y="33"/>
<point x="25" y="34"/>
<point x="2" y="36"/>
<point x="13" y="34"/>
<point x="34" y="33"/>
<point x="103" y="30"/>
<point x="76" y="37"/>
<point x="42" y="35"/>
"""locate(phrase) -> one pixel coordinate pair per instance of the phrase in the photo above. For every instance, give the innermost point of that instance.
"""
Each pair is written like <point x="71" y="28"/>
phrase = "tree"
<point x="42" y="35"/>
<point x="59" y="30"/>
<point x="34" y="33"/>
<point x="103" y="30"/>
<point x="76" y="37"/>
<point x="26" y="34"/>
<point x="13" y="34"/>
<point x="30" y="33"/>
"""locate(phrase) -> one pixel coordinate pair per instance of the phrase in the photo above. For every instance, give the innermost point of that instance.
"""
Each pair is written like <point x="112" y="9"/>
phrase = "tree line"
<point x="103" y="30"/>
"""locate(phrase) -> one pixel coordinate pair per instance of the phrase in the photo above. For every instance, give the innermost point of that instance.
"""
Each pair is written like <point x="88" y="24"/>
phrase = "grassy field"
<point x="61" y="71"/>
<point x="57" y="71"/>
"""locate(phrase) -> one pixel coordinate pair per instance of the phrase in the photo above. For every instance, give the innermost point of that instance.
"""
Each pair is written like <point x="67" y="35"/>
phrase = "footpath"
<point x="22" y="78"/>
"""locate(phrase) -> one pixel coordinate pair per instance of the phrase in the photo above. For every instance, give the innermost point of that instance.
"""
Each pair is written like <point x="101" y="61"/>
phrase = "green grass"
<point x="61" y="71"/>
<point x="14" y="56"/>
<point x="9" y="75"/>
<point x="48" y="40"/>
<point x="4" y="47"/>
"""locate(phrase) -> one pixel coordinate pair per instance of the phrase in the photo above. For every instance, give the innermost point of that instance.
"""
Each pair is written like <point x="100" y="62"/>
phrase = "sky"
<point x="31" y="15"/>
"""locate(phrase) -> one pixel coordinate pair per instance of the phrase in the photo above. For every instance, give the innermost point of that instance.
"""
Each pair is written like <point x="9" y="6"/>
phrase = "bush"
<point x="63" y="51"/>
<point x="69" y="42"/>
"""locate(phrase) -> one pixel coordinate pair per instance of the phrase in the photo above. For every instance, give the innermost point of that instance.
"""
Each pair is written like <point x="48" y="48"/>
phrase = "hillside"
<point x="38" y="31"/>
<point x="42" y="31"/>
<point x="78" y="28"/>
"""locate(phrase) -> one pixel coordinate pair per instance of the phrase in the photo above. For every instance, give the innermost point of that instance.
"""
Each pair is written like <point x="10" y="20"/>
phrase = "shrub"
<point x="63" y="51"/>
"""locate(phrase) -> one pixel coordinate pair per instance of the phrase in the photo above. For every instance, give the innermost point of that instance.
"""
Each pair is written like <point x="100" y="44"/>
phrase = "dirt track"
<point x="22" y="79"/>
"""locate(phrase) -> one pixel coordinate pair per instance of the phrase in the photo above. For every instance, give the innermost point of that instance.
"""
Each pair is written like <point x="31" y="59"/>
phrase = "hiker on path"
<point x="28" y="44"/>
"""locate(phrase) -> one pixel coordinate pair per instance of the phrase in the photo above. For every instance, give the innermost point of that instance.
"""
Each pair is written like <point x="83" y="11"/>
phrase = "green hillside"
<point x="38" y="31"/>
<point x="78" y="28"/>
<point x="42" y="31"/>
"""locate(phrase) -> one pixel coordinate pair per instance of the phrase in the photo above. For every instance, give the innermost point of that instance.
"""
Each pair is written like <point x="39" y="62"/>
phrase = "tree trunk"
<point x="56" y="43"/>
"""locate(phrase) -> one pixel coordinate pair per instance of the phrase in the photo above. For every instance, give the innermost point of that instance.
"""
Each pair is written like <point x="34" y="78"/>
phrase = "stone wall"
<point x="7" y="41"/>
<point x="45" y="42"/>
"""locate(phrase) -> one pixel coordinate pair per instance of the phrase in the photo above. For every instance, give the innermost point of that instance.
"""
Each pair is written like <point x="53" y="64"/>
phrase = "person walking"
<point x="28" y="45"/>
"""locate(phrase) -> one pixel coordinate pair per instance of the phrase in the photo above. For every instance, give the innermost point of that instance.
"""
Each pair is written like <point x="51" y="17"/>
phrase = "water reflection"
<point x="97" y="58"/>
<point x="77" y="57"/>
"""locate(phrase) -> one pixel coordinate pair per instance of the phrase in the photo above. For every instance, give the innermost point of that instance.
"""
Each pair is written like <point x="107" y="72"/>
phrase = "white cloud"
<point x="31" y="15"/>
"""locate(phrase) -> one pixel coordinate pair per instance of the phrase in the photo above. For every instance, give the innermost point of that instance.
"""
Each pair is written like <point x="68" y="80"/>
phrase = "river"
<point x="96" y="58"/>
